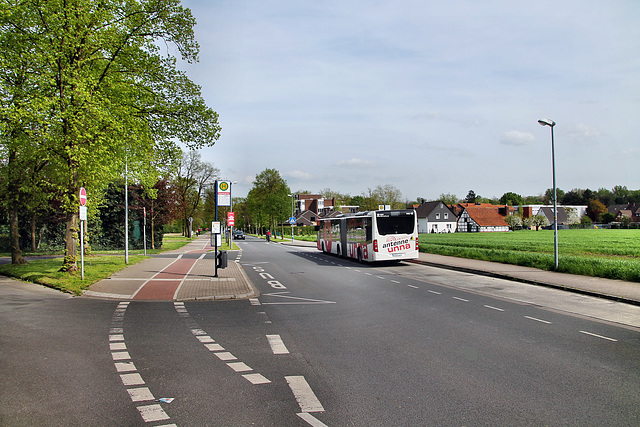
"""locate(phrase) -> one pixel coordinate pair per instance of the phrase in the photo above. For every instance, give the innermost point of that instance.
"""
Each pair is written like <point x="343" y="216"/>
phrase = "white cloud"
<point x="584" y="134"/>
<point x="516" y="137"/>
<point x="356" y="163"/>
<point x="298" y="174"/>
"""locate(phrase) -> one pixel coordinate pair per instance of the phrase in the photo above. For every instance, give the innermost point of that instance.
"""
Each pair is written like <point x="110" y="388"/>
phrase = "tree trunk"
<point x="152" y="239"/>
<point x="71" y="243"/>
<point x="33" y="232"/>
<point x="14" y="236"/>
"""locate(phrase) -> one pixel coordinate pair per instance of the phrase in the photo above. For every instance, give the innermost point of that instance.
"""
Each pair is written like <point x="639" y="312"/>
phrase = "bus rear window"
<point x="395" y="224"/>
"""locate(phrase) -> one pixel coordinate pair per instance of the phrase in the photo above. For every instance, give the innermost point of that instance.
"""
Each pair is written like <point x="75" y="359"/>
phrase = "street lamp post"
<point x="290" y="221"/>
<point x="551" y="124"/>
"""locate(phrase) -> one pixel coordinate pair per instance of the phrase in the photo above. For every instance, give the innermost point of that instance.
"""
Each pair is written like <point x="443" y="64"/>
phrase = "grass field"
<point x="613" y="254"/>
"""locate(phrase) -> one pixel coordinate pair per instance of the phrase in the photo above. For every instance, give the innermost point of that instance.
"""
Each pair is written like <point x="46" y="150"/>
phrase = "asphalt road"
<point x="329" y="342"/>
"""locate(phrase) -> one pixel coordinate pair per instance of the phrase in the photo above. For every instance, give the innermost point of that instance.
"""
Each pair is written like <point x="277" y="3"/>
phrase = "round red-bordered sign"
<point x="83" y="196"/>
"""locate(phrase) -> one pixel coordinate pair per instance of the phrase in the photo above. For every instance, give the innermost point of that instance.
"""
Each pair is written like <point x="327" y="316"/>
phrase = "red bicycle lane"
<point x="163" y="285"/>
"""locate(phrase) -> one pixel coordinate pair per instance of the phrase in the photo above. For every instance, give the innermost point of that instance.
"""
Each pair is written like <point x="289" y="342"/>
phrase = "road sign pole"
<point x="215" y="236"/>
<point x="82" y="215"/>
<point x="144" y="229"/>
<point x="82" y="250"/>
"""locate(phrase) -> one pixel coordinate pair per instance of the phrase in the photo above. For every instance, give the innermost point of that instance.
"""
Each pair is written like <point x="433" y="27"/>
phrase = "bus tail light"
<point x="417" y="245"/>
<point x="375" y="245"/>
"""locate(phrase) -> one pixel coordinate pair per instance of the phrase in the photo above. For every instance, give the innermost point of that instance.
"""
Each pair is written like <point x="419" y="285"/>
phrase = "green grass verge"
<point x="613" y="254"/>
<point x="45" y="271"/>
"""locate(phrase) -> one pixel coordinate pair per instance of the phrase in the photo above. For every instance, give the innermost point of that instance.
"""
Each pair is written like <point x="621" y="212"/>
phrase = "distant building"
<point x="476" y="219"/>
<point x="435" y="217"/>
<point x="629" y="210"/>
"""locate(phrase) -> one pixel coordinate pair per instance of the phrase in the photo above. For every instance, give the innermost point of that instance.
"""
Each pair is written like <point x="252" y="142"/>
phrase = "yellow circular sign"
<point x="224" y="186"/>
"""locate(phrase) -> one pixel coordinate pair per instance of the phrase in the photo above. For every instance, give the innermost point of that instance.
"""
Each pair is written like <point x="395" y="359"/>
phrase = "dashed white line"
<point x="277" y="345"/>
<point x="131" y="379"/>
<point x="239" y="366"/>
<point x="395" y="281"/>
<point x="598" y="336"/>
<point x="256" y="378"/>
<point x="493" y="308"/>
<point x="461" y="299"/>
<point x="434" y="292"/>
<point x="538" y="320"/>
<point x="140" y="394"/>
<point x="304" y="395"/>
<point x="152" y="413"/>
<point x="311" y="420"/>
<point x="125" y="367"/>
<point x="225" y="355"/>
<point x="414" y="287"/>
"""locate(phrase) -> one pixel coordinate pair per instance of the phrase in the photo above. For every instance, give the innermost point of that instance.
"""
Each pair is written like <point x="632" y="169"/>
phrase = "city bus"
<point x="383" y="235"/>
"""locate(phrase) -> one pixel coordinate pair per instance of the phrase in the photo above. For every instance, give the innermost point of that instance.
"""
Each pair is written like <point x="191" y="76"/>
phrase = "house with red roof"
<point x="478" y="219"/>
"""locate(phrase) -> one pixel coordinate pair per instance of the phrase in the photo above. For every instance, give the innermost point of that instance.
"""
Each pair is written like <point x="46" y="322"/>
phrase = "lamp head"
<point x="547" y="122"/>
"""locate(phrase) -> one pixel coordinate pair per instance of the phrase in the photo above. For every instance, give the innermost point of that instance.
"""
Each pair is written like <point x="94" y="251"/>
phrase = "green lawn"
<point x="612" y="254"/>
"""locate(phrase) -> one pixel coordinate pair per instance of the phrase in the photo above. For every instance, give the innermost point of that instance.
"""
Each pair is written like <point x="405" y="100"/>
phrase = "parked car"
<point x="238" y="234"/>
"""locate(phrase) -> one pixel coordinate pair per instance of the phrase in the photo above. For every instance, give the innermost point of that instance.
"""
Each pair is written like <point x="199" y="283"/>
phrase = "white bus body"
<point x="388" y="235"/>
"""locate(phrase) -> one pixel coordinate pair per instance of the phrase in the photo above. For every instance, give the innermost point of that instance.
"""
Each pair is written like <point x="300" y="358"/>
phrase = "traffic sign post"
<point x="144" y="229"/>
<point x="83" y="218"/>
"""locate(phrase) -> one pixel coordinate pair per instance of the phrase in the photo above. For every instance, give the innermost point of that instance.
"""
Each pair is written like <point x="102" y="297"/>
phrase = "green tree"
<point x="538" y="221"/>
<point x="105" y="90"/>
<point x="514" y="220"/>
<point x="193" y="177"/>
<point x="595" y="208"/>
<point x="620" y="195"/>
<point x="573" y="197"/>
<point x="383" y="195"/>
<point x="512" y="199"/>
<point x="268" y="201"/>
<point x="449" y="199"/>
<point x="471" y="197"/>
<point x="548" y="196"/>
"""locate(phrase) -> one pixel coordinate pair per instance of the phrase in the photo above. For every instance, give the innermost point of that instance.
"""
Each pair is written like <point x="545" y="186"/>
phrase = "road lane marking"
<point x="117" y="346"/>
<point x="311" y="420"/>
<point x="305" y="397"/>
<point x="277" y="345"/>
<point x="127" y="370"/>
<point x="434" y="292"/>
<point x="414" y="287"/>
<point x="120" y="355"/>
<point x="461" y="299"/>
<point x="494" y="308"/>
<point x="214" y="347"/>
<point x="395" y="281"/>
<point x="131" y="379"/>
<point x="140" y="394"/>
<point x="217" y="349"/>
<point x="239" y="366"/>
<point x="598" y="336"/>
<point x="305" y="300"/>
<point x="152" y="413"/>
<point x="125" y="367"/>
<point x="256" y="378"/>
<point x="538" y="320"/>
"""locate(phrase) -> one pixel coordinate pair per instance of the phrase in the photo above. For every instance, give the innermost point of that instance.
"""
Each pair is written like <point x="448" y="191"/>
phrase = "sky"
<point x="431" y="97"/>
